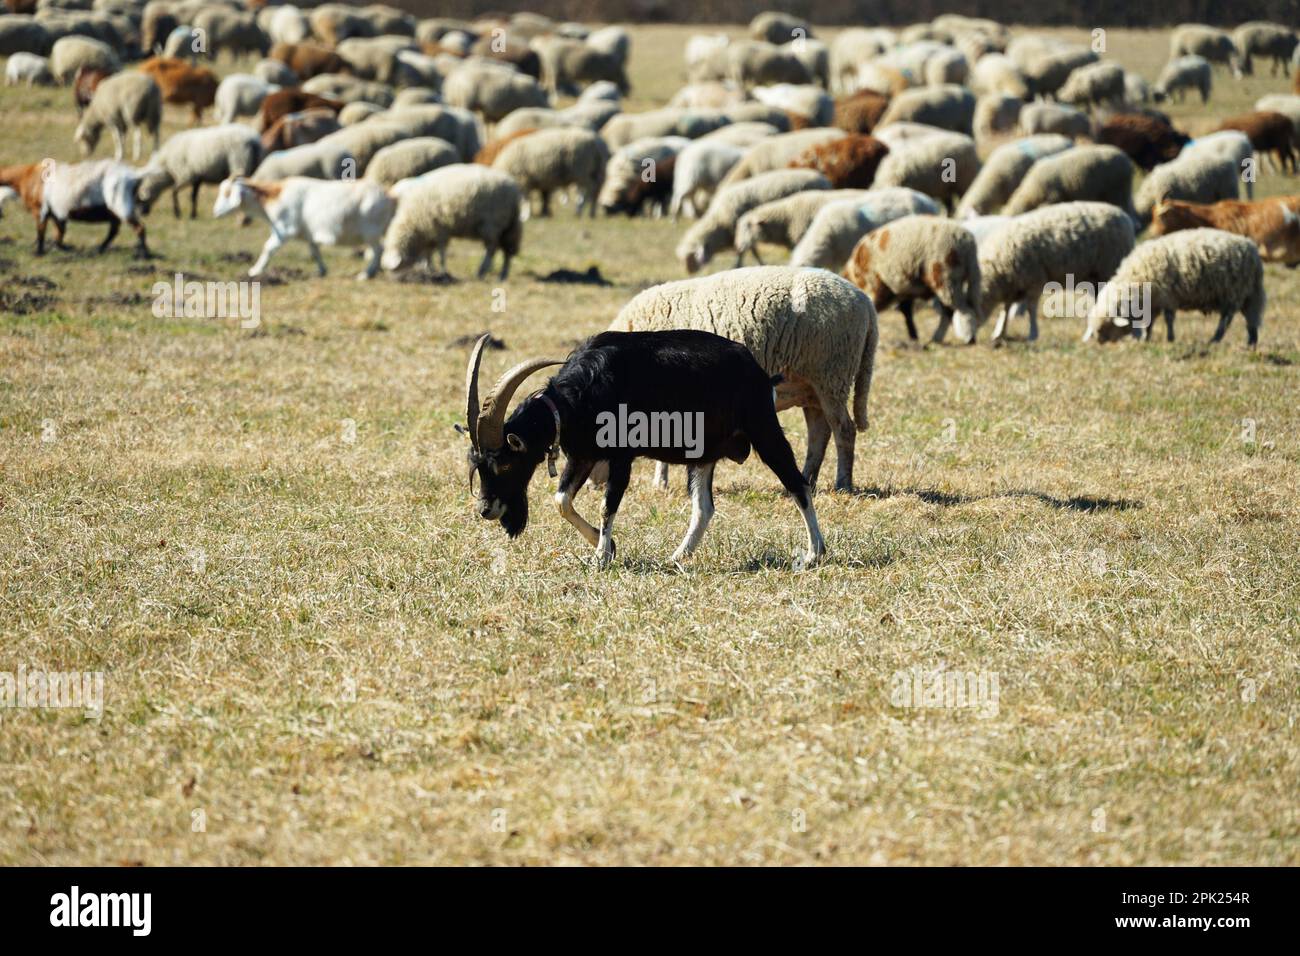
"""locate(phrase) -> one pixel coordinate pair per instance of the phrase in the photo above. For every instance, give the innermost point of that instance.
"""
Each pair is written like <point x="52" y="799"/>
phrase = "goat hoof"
<point x="605" y="558"/>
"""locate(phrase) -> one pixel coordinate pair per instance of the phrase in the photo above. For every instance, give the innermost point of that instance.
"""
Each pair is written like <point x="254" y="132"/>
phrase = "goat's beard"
<point x="515" y="519"/>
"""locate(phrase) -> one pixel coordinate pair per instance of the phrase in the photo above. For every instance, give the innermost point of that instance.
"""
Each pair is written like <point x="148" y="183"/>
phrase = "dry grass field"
<point x="315" y="653"/>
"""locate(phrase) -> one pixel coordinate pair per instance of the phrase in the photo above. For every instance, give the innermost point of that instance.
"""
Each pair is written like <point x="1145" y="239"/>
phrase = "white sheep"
<point x="316" y="160"/>
<point x="776" y="152"/>
<point x="1206" y="270"/>
<point x="492" y="91"/>
<point x="410" y="157"/>
<point x="629" y="165"/>
<point x="240" y="95"/>
<point x="317" y="211"/>
<point x="949" y="107"/>
<point x="1203" y="179"/>
<point x="555" y="159"/>
<point x="1229" y="144"/>
<point x="814" y="328"/>
<point x="941" y="166"/>
<point x="1101" y="173"/>
<point x="995" y="75"/>
<point x="1058" y="118"/>
<point x="1094" y="84"/>
<point x="996" y="114"/>
<point x="898" y="135"/>
<point x="716" y="230"/>
<point x="699" y="170"/>
<point x="465" y="201"/>
<point x="122" y="102"/>
<point x="196" y="156"/>
<point x="783" y="222"/>
<point x="28" y="69"/>
<point x="625" y="128"/>
<point x="837" y="227"/>
<point x="1067" y="243"/>
<point x="740" y="135"/>
<point x="1181" y="74"/>
<point x="71" y="53"/>
<point x="921" y="257"/>
<point x="1004" y="169"/>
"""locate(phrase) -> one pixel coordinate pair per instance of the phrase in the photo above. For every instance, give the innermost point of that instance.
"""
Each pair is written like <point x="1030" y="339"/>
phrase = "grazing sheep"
<point x="197" y="156"/>
<point x="23" y="34"/>
<point x="754" y="63"/>
<point x="849" y="163"/>
<point x="319" y="212"/>
<point x="1231" y="145"/>
<point x="284" y="24"/>
<point x="28" y="69"/>
<point x="1137" y="91"/>
<point x="629" y="127"/>
<point x="410" y="157"/>
<point x="1196" y="179"/>
<point x="183" y="84"/>
<point x="555" y="159"/>
<point x="1206" y="270"/>
<point x="1003" y="171"/>
<point x="1099" y="173"/>
<point x="716" y="230"/>
<point x="1144" y="139"/>
<point x="375" y="58"/>
<point x="699" y="170"/>
<point x="493" y="92"/>
<point x="71" y="53"/>
<point x="898" y="135"/>
<point x="355" y="112"/>
<point x="709" y="95"/>
<point x="240" y="95"/>
<point x="852" y="47"/>
<point x="122" y="102"/>
<point x="1272" y="224"/>
<point x="816" y="330"/>
<point x="1048" y="73"/>
<point x="859" y="112"/>
<point x="1272" y="41"/>
<point x="319" y="160"/>
<point x="293" y="100"/>
<point x="996" y="115"/>
<point x="231" y="31"/>
<point x="921" y="257"/>
<point x="488" y="154"/>
<point x="837" y="227"/>
<point x="570" y="65"/>
<point x="752" y="112"/>
<point x="941" y="166"/>
<point x="1209" y="42"/>
<point x="456" y="202"/>
<point x="1039" y="118"/>
<point x="777" y="153"/>
<point x="783" y="222"/>
<point x="1269" y="133"/>
<point x="1181" y="74"/>
<point x="996" y="75"/>
<point x="1096" y="84"/>
<point x="740" y="135"/>
<point x="639" y="172"/>
<point x="1068" y="243"/>
<point x="948" y="107"/>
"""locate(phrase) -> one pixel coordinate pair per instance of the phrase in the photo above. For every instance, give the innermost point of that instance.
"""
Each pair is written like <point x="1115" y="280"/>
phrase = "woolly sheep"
<point x="285" y="24"/>
<point x="945" y="67"/>
<point x="815" y="329"/>
<point x="410" y="157"/>
<point x="193" y="157"/>
<point x="1181" y="74"/>
<point x="1231" y="145"/>
<point x="700" y="169"/>
<point x="23" y="34"/>
<point x="850" y="48"/>
<point x="71" y="53"/>
<point x="1206" y="270"/>
<point x="555" y="159"/>
<point x="275" y="73"/>
<point x="240" y="95"/>
<point x="1050" y="71"/>
<point x="921" y="257"/>
<point x="996" y="114"/>
<point x="995" y="74"/>
<point x="374" y="58"/>
<point x="1272" y="41"/>
<point x="753" y="112"/>
<point x="230" y="31"/>
<point x="1073" y="242"/>
<point x="348" y="89"/>
<point x="783" y="222"/>
<point x="415" y="96"/>
<point x="942" y="167"/>
<point x="629" y="127"/>
<point x="1003" y="171"/>
<point x="810" y="102"/>
<point x="1213" y="44"/>
<point x="948" y="107"/>
<point x="319" y="160"/>
<point x="1101" y="173"/>
<point x="492" y="92"/>
<point x="122" y="102"/>
<point x="1038" y="118"/>
<point x="358" y="111"/>
<point x="740" y="135"/>
<point x="456" y="202"/>
<point x="752" y="63"/>
<point x="1190" y="178"/>
<point x="28" y="69"/>
<point x="1137" y="91"/>
<point x="317" y="211"/>
<point x="897" y="135"/>
<point x="363" y="140"/>
<point x="1095" y="84"/>
<point x="570" y="65"/>
<point x="838" y="226"/>
<point x="777" y="152"/>
<point x="716" y="229"/>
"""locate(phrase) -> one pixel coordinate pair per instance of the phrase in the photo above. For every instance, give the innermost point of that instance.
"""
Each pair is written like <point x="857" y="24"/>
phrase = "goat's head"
<point x="232" y="194"/>
<point x="503" y="454"/>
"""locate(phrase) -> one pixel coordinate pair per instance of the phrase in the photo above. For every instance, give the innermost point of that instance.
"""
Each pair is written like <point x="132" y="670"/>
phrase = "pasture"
<point x="315" y="653"/>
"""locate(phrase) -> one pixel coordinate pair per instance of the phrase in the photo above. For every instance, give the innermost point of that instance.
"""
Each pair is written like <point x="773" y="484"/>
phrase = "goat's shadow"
<point x="1087" y="504"/>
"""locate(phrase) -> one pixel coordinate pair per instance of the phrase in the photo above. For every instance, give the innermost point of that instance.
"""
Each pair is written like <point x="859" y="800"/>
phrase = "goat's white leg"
<point x="816" y="543"/>
<point x="574" y="474"/>
<point x="661" y="475"/>
<point x="620" y="471"/>
<point x="699" y="478"/>
<point x="273" y="242"/>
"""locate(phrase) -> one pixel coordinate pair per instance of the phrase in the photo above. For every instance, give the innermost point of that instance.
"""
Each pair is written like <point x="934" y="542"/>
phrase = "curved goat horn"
<point x="471" y="388"/>
<point x="492" y="420"/>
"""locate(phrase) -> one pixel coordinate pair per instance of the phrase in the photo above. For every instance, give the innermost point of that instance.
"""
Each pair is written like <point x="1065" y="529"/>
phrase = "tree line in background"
<point x="1119" y="13"/>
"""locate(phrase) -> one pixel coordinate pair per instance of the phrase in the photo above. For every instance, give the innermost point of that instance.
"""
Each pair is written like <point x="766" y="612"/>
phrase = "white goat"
<point x="318" y="211"/>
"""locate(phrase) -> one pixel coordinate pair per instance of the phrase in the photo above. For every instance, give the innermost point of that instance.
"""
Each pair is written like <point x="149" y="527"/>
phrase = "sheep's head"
<point x="504" y="454"/>
<point x="1109" y="319"/>
<point x="87" y="137"/>
<point x="152" y="183"/>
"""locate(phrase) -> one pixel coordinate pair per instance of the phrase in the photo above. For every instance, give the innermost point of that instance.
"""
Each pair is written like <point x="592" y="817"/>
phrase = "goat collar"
<point x="554" y="451"/>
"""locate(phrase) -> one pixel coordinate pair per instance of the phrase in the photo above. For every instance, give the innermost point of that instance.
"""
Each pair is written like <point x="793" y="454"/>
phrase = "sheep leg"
<point x="699" y="479"/>
<point x="40" y="234"/>
<point x="753" y="251"/>
<point x="1169" y="325"/>
<point x="546" y="204"/>
<point x="1224" y="320"/>
<point x="845" y="432"/>
<point x="620" y="472"/>
<point x="194" y="200"/>
<point x="906" y="309"/>
<point x="176" y="202"/>
<point x="489" y="250"/>
<point x="373" y="254"/>
<point x="661" y="475"/>
<point x="273" y="242"/>
<point x="945" y="321"/>
<point x="141" y="248"/>
<point x="1032" y="307"/>
<point x="315" y="254"/>
<point x="571" y="479"/>
<point x="113" y="226"/>
<point x="505" y="264"/>
<point x="819" y="435"/>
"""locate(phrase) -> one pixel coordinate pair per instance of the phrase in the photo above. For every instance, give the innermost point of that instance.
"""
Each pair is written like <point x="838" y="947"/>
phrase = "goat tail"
<point x="862" y="384"/>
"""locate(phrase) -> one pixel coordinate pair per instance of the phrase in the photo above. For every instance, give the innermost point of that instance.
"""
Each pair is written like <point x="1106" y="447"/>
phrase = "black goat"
<point x="706" y="393"/>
